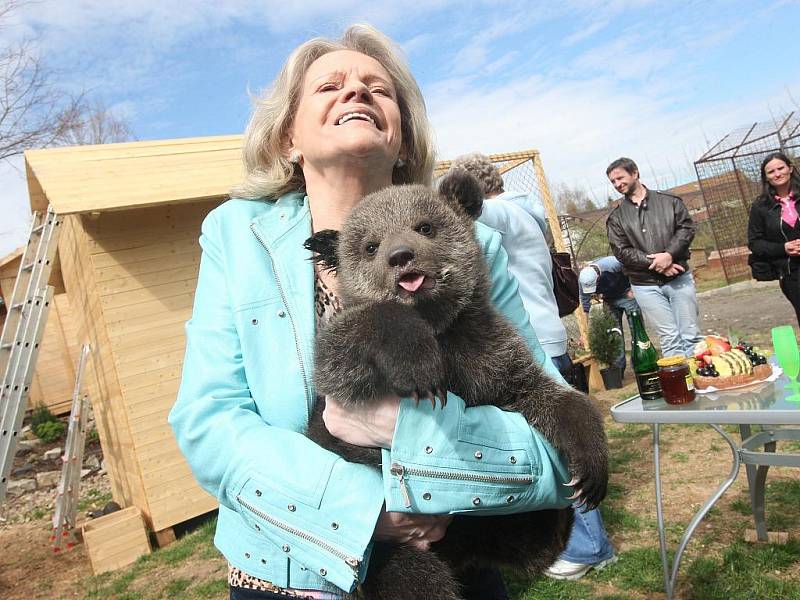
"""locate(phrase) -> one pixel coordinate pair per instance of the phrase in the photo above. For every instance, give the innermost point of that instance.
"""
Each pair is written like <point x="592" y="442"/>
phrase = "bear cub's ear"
<point x="463" y="191"/>
<point x="323" y="246"/>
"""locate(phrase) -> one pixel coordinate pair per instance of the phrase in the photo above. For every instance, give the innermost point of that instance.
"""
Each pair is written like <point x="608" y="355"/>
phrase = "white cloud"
<point x="585" y="33"/>
<point x="581" y="126"/>
<point x="625" y="59"/>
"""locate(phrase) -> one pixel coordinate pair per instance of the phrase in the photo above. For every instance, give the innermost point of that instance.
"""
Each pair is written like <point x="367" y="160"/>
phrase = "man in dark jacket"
<point x="650" y="233"/>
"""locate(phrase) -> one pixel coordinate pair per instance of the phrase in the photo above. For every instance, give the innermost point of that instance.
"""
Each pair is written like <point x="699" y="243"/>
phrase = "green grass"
<point x="544" y="588"/>
<point x="637" y="570"/>
<point x="176" y="587"/>
<point x="781" y="499"/>
<point x="618" y="460"/>
<point x="619" y="519"/>
<point x="709" y="571"/>
<point x="94" y="499"/>
<point x="680" y="457"/>
<point x="629" y="432"/>
<point x="36" y="514"/>
<point x="703" y="285"/>
<point x="210" y="589"/>
<point x="745" y="572"/>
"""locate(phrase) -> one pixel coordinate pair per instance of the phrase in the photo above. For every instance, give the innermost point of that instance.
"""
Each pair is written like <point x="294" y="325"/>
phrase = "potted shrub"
<point x="605" y="342"/>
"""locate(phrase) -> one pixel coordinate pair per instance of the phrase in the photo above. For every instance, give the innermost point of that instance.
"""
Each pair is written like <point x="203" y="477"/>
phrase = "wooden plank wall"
<point x="54" y="377"/>
<point x="101" y="376"/>
<point x="145" y="265"/>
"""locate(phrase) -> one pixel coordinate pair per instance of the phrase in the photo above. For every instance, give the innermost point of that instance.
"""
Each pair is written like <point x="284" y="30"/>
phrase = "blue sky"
<point x="583" y="81"/>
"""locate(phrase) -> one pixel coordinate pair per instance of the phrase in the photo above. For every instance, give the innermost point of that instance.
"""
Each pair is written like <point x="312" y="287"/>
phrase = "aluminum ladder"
<point x="64" y="519"/>
<point x="22" y="333"/>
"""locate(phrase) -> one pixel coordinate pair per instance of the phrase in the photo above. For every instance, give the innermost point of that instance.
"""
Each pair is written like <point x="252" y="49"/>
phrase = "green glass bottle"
<point x="644" y="357"/>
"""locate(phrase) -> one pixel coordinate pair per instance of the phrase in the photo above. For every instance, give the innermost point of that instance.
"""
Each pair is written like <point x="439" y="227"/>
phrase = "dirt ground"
<point x="749" y="310"/>
<point x="30" y="570"/>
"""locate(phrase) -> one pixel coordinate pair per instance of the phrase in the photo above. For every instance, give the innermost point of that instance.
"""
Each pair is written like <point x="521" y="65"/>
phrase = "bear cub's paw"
<point x="411" y="361"/>
<point x="588" y="465"/>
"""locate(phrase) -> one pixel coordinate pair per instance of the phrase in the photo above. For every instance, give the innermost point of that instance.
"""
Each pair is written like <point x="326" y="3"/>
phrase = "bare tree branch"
<point x="33" y="112"/>
<point x="91" y="122"/>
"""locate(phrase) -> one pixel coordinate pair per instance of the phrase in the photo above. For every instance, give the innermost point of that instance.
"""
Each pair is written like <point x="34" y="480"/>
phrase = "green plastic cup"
<point x="785" y="343"/>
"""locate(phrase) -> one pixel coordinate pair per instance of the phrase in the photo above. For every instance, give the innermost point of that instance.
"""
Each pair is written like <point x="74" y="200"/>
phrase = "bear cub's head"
<point x="410" y="244"/>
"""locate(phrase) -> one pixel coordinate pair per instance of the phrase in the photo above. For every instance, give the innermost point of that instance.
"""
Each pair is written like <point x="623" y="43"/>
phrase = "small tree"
<point x="572" y="200"/>
<point x="605" y="342"/>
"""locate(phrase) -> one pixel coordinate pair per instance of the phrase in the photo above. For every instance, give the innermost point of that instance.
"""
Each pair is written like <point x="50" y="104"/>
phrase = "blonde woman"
<point x="343" y="119"/>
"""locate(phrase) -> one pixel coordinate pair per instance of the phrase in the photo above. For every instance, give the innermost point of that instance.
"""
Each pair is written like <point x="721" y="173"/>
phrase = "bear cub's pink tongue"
<point x="411" y="282"/>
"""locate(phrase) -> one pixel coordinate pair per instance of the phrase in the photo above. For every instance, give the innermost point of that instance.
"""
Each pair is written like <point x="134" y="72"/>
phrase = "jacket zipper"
<point x="350" y="561"/>
<point x="291" y="318"/>
<point x="400" y="471"/>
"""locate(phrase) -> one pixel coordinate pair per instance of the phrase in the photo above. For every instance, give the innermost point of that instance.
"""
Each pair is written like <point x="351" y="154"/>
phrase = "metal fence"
<point x="730" y="179"/>
<point x="523" y="172"/>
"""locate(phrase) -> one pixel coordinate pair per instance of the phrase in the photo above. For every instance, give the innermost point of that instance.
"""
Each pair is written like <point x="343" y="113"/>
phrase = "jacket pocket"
<point x="283" y="491"/>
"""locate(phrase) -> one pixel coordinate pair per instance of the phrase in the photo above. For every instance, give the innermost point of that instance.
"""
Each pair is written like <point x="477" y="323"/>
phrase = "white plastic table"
<point x="765" y="404"/>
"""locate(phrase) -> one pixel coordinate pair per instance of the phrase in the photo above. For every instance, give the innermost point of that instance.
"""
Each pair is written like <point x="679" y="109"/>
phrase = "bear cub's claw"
<point x="432" y="395"/>
<point x="589" y="490"/>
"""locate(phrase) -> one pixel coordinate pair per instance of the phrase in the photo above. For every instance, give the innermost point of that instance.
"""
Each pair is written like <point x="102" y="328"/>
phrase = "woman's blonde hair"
<point x="269" y="173"/>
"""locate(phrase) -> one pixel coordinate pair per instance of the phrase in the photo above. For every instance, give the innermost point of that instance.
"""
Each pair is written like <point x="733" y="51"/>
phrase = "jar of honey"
<point x="676" y="380"/>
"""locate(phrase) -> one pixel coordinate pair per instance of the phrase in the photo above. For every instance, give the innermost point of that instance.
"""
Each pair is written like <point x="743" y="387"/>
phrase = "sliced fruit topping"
<point x="742" y="359"/>
<point x="716" y="344"/>
<point x="723" y="366"/>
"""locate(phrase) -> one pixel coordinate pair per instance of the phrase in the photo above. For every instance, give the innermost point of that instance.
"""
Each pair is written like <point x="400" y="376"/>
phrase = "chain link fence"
<point x="523" y="172"/>
<point x="730" y="179"/>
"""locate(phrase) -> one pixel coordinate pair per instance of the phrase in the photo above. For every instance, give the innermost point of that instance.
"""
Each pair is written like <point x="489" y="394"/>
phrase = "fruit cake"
<point x="716" y="363"/>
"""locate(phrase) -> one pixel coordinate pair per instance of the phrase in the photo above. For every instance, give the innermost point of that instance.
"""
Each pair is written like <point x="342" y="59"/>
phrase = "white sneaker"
<point x="570" y="571"/>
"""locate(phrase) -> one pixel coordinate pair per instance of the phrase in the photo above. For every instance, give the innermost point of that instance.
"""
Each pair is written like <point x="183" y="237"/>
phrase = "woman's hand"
<point x="419" y="531"/>
<point x="372" y="427"/>
<point x="792" y="248"/>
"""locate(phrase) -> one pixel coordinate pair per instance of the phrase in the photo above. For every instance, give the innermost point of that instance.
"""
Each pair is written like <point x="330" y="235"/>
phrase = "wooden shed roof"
<point x="130" y="175"/>
<point x="12" y="256"/>
<point x="80" y="179"/>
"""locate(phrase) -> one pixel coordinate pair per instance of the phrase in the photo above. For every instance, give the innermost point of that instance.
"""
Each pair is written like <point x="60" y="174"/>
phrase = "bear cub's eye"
<point x="425" y="228"/>
<point x="371" y="248"/>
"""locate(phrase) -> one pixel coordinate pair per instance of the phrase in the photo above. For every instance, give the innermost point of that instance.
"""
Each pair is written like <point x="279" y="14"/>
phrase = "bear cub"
<point x="418" y="321"/>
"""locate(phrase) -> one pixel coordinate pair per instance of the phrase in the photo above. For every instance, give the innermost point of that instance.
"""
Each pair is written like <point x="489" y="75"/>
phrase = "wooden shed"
<point x="54" y="377"/>
<point x="129" y="256"/>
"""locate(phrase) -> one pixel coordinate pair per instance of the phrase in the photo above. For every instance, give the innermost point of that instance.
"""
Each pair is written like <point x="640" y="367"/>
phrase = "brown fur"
<point x="449" y="337"/>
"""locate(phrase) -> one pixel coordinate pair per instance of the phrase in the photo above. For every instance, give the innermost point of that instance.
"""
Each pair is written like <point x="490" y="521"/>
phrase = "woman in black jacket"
<point x="773" y="232"/>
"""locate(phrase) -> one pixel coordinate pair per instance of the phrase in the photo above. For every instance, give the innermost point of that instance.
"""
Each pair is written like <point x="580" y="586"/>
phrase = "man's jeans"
<point x="588" y="543"/>
<point x="671" y="310"/>
<point x="617" y="307"/>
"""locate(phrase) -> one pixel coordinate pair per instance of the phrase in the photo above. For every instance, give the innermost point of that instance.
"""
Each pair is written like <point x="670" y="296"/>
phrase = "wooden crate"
<point x="593" y="376"/>
<point x="115" y="540"/>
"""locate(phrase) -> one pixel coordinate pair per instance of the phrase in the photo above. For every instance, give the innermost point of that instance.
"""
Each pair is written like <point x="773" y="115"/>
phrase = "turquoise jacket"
<point x="291" y="512"/>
